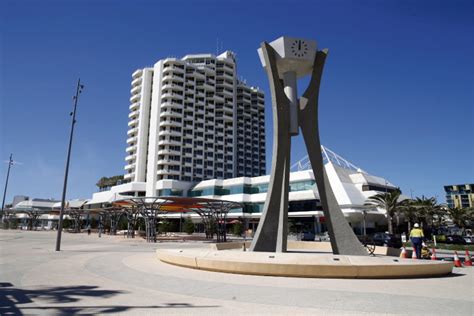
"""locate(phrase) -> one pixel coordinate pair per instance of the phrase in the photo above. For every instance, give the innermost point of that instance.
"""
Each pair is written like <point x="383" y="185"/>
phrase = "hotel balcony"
<point x="134" y="106"/>
<point x="135" y="98"/>
<point x="169" y="133"/>
<point x="130" y="157"/>
<point x="227" y="84"/>
<point x="168" y="162"/>
<point x="133" y="122"/>
<point x="199" y="120"/>
<point x="164" y="114"/>
<point x="166" y="85"/>
<point x="129" y="175"/>
<point x="138" y="73"/>
<point x="133" y="114"/>
<point x="136" y="81"/>
<point x="177" y="69"/>
<point x="198" y="137"/>
<point x="168" y="172"/>
<point x="208" y="87"/>
<point x="130" y="166"/>
<point x="171" y="76"/>
<point x="228" y="108"/>
<point x="200" y="94"/>
<point x="132" y="131"/>
<point x="164" y="123"/>
<point x="131" y="148"/>
<point x="199" y="75"/>
<point x="167" y="151"/>
<point x="166" y="95"/>
<point x="132" y="139"/>
<point x="199" y="111"/>
<point x="164" y="142"/>
<point x="228" y="93"/>
<point x="168" y="104"/>
<point x="219" y="97"/>
<point x="228" y="75"/>
<point x="227" y="117"/>
<point x="136" y="90"/>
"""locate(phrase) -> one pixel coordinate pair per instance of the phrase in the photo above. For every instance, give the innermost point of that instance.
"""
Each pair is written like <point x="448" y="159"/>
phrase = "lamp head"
<point x="293" y="54"/>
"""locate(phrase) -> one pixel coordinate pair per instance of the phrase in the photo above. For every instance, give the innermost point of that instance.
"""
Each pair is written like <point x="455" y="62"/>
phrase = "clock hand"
<point x="299" y="45"/>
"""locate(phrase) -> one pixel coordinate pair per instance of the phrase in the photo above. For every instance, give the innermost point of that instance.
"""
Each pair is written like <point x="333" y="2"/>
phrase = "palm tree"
<point x="461" y="216"/>
<point x="390" y="202"/>
<point x="410" y="212"/>
<point x="429" y="210"/>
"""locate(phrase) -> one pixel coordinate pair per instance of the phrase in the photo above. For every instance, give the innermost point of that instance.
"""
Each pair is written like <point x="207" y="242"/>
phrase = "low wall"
<point x="303" y="264"/>
<point x="322" y="246"/>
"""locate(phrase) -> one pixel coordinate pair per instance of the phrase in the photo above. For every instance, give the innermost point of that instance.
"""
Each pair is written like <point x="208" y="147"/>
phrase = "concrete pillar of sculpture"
<point x="272" y="231"/>
<point x="296" y="57"/>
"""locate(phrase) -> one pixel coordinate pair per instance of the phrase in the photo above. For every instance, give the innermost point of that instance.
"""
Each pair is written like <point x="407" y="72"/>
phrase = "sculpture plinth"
<point x="285" y="60"/>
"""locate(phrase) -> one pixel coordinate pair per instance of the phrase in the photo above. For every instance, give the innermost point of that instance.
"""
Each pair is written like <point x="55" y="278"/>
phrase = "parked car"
<point x="455" y="239"/>
<point x="386" y="239"/>
<point x="307" y="236"/>
<point x="469" y="239"/>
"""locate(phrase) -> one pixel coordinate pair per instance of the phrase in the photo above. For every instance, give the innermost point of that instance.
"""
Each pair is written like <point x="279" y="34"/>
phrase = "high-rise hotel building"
<point x="191" y="119"/>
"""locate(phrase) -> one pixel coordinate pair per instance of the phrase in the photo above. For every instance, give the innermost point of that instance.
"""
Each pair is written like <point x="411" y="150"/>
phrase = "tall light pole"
<point x="63" y="199"/>
<point x="10" y="163"/>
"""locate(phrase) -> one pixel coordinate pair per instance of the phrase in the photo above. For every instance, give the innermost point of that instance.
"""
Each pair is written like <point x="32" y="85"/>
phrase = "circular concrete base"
<point x="310" y="265"/>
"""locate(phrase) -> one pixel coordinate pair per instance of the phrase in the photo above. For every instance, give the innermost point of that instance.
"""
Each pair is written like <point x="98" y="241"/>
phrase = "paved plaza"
<point x="94" y="275"/>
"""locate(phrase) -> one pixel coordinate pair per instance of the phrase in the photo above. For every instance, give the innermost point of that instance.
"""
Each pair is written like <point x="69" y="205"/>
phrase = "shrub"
<point x="67" y="223"/>
<point x="237" y="229"/>
<point x="188" y="226"/>
<point x="13" y="223"/>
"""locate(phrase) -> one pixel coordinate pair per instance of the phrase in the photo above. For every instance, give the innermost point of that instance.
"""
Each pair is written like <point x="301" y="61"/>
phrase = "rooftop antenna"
<point x="217" y="46"/>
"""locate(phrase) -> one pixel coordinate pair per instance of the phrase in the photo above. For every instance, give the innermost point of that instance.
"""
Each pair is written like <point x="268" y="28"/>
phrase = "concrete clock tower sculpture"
<point x="285" y="61"/>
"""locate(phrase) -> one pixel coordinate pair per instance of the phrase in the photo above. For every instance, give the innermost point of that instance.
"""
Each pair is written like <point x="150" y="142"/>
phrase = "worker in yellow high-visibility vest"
<point x="416" y="237"/>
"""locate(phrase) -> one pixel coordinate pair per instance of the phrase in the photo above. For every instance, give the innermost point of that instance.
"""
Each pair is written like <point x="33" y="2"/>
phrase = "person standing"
<point x="416" y="237"/>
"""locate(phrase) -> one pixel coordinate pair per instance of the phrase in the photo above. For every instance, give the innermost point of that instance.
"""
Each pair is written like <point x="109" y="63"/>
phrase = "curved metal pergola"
<point x="213" y="212"/>
<point x="148" y="207"/>
<point x="110" y="213"/>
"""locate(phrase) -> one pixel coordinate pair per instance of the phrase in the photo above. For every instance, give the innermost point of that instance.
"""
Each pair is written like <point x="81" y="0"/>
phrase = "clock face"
<point x="299" y="48"/>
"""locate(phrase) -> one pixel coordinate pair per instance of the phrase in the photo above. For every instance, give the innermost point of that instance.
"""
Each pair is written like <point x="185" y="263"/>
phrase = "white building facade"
<point x="191" y="119"/>
<point x="352" y="187"/>
<point x="38" y="208"/>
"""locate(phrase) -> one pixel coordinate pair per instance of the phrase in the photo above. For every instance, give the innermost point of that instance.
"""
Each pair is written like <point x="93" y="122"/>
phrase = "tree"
<point x="461" y="217"/>
<point x="410" y="213"/>
<point x="105" y="183"/>
<point x="429" y="210"/>
<point x="188" y="226"/>
<point x="390" y="202"/>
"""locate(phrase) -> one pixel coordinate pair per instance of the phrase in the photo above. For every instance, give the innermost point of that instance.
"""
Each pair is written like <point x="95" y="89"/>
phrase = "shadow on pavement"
<point x="12" y="298"/>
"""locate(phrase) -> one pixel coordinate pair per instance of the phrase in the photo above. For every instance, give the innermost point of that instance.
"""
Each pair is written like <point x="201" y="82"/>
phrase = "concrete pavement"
<point x="116" y="275"/>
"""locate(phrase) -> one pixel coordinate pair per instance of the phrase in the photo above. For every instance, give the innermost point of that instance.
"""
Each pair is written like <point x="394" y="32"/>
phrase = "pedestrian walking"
<point x="416" y="237"/>
<point x="88" y="229"/>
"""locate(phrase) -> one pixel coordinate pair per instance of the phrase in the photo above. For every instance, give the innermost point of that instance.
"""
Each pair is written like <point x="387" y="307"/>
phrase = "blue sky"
<point x="397" y="95"/>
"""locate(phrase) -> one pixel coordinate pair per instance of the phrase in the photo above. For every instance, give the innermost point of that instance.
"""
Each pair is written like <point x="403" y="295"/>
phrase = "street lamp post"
<point x="63" y="199"/>
<point x="10" y="163"/>
<point x="364" y="212"/>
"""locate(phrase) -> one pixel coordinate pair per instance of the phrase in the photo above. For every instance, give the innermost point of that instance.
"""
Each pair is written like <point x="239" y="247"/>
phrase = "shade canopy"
<point x="177" y="204"/>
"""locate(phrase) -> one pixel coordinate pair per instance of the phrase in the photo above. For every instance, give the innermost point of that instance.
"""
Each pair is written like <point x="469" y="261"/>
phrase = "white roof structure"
<point x="77" y="203"/>
<point x="34" y="204"/>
